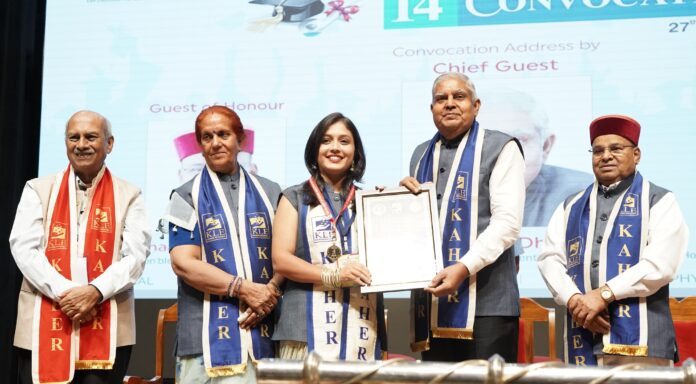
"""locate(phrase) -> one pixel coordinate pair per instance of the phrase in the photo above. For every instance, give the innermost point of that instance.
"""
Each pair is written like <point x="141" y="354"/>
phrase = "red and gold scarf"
<point x="60" y="346"/>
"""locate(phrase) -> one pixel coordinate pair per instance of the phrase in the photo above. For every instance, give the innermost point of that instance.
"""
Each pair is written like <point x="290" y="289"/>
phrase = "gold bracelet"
<point x="325" y="277"/>
<point x="331" y="278"/>
<point x="337" y="278"/>
<point x="275" y="287"/>
<point x="231" y="286"/>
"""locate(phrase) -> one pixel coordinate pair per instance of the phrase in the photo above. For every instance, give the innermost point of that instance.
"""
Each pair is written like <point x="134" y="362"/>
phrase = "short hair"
<point x="456" y="75"/>
<point x="356" y="172"/>
<point x="105" y="125"/>
<point x="518" y="101"/>
<point x="236" y="122"/>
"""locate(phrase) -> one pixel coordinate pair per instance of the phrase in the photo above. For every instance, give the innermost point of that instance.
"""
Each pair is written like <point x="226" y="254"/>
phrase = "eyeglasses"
<point x="615" y="150"/>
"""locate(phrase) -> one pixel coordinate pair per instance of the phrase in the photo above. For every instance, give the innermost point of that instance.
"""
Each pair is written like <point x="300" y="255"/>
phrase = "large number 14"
<point x="424" y="7"/>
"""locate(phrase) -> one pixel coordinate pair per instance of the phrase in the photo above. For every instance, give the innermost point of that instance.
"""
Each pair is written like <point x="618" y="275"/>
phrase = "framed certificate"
<point x="399" y="238"/>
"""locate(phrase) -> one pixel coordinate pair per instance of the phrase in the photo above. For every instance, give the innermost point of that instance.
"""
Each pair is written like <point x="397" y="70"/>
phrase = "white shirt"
<point x="26" y="241"/>
<point x="507" y="192"/>
<point x="668" y="237"/>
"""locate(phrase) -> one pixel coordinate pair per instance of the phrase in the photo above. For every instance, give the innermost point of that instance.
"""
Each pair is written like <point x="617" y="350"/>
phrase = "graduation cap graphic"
<point x="293" y="10"/>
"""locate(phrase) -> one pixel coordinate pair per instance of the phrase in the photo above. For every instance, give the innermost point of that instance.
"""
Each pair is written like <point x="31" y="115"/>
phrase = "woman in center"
<point x="315" y="246"/>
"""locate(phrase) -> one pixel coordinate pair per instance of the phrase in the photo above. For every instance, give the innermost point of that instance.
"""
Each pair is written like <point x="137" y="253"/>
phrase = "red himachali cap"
<point x="186" y="145"/>
<point x="248" y="142"/>
<point x="617" y="125"/>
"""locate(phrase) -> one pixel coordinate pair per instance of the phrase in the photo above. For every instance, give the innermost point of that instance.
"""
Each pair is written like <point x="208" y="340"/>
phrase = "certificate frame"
<point x="399" y="238"/>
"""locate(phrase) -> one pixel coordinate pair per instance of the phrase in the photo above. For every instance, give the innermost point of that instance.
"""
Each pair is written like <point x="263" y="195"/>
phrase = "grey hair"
<point x="456" y="75"/>
<point x="106" y="124"/>
<point x="512" y="100"/>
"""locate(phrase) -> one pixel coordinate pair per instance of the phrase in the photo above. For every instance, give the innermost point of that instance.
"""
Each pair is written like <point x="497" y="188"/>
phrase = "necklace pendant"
<point x="333" y="253"/>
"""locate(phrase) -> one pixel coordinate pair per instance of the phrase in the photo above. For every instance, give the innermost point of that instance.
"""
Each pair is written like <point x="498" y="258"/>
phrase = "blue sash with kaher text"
<point x="453" y="315"/>
<point x="227" y="344"/>
<point x="620" y="251"/>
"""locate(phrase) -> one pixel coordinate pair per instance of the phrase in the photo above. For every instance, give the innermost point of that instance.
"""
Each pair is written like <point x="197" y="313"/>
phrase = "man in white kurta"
<point x="88" y="140"/>
<point x="617" y="294"/>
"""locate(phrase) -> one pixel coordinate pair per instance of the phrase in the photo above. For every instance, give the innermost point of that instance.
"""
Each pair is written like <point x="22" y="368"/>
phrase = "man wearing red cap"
<point x="609" y="255"/>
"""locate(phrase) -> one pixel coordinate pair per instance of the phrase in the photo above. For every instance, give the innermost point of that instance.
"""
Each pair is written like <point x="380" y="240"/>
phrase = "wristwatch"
<point x="606" y="293"/>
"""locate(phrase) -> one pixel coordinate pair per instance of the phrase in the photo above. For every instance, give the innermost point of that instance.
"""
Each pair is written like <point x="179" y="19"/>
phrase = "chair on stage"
<point x="684" y="317"/>
<point x="532" y="312"/>
<point x="168" y="315"/>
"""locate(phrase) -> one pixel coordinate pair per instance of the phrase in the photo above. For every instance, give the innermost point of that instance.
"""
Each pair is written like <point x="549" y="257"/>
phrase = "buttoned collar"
<point x="453" y="143"/>
<point x="234" y="177"/>
<point x="617" y="187"/>
<point x="82" y="186"/>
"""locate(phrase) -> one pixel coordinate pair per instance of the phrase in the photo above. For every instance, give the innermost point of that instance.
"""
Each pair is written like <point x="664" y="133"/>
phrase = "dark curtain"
<point x="21" y="63"/>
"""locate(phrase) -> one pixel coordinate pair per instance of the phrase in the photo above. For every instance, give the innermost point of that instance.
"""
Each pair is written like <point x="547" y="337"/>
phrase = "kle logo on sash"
<point x="321" y="227"/>
<point x="258" y="225"/>
<point x="101" y="221"/>
<point x="630" y="206"/>
<point x="460" y="191"/>
<point x="57" y="238"/>
<point x="214" y="227"/>
<point x="574" y="251"/>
